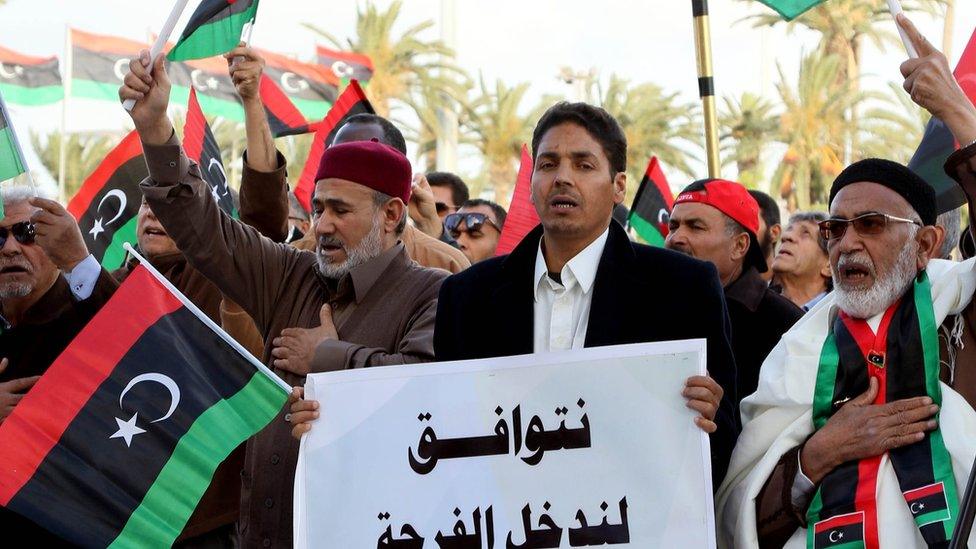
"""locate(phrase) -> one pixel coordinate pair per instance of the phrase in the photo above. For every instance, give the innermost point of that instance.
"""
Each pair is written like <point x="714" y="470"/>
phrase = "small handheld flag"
<point x="201" y="146"/>
<point x="522" y="217"/>
<point x="791" y="9"/>
<point x="214" y="28"/>
<point x="117" y="442"/>
<point x="651" y="210"/>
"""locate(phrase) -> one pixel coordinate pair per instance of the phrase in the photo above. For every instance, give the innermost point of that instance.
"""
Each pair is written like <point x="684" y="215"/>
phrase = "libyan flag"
<point x="650" y="212"/>
<point x="938" y="143"/>
<point x="200" y="145"/>
<point x="11" y="164"/>
<point x="791" y="9"/>
<point x="28" y="80"/>
<point x="117" y="442"/>
<point x="215" y="28"/>
<point x="351" y="101"/>
<point x="108" y="201"/>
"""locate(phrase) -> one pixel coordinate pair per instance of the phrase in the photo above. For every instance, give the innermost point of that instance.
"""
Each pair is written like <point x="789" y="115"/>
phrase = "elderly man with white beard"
<point x="862" y="432"/>
<point x="357" y="301"/>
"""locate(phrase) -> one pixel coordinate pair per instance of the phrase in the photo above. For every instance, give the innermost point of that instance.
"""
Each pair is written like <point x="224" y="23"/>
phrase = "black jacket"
<point x="759" y="318"/>
<point x="641" y="294"/>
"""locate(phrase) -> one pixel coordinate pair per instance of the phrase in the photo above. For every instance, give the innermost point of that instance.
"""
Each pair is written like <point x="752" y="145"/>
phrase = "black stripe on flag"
<point x="832" y="537"/>
<point x="31" y="76"/>
<point x="115" y="204"/>
<point x="217" y="85"/>
<point x="108" y="68"/>
<point x="74" y="487"/>
<point x="210" y="11"/>
<point x="299" y="87"/>
<point x="212" y="166"/>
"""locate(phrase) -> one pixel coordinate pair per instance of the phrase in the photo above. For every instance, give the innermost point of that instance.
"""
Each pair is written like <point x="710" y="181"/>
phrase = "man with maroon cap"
<point x="718" y="221"/>
<point x="357" y="301"/>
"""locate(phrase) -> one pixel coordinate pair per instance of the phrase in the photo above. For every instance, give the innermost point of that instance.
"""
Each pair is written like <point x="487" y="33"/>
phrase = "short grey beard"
<point x="885" y="290"/>
<point x="369" y="247"/>
<point x="15" y="290"/>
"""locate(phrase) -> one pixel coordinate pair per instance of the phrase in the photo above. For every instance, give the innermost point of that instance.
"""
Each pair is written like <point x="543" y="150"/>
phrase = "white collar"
<point x="580" y="269"/>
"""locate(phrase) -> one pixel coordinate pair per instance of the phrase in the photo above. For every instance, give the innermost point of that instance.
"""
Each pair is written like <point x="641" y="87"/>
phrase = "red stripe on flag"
<point x="839" y="522"/>
<point x="358" y="58"/>
<point x="657" y="176"/>
<point x="193" y="130"/>
<point x="129" y="148"/>
<point x="522" y="217"/>
<point x="40" y="419"/>
<point x="352" y="95"/>
<point x="278" y="104"/>
<point x="924" y="491"/>
<point x="106" y="44"/>
<point x="15" y="58"/>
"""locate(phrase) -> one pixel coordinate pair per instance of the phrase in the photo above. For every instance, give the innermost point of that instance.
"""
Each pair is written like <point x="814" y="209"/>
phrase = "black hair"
<point x="499" y="211"/>
<point x="768" y="208"/>
<point x="391" y="135"/>
<point x="459" y="189"/>
<point x="597" y="122"/>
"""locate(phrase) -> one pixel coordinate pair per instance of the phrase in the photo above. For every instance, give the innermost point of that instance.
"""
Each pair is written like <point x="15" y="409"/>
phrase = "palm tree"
<point x="501" y="130"/>
<point x="814" y="128"/>
<point x="425" y="104"/>
<point x="84" y="153"/>
<point x="656" y="123"/>
<point x="748" y="125"/>
<point x="402" y="64"/>
<point x="893" y="133"/>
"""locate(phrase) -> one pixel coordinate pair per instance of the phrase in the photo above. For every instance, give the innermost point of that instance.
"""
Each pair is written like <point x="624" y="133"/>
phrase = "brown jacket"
<point x="384" y="312"/>
<point x="776" y="517"/>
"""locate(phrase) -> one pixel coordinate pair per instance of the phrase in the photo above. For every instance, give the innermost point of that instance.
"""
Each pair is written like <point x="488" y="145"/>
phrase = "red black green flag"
<point x="108" y="201"/>
<point x="651" y="210"/>
<point x="213" y="29"/>
<point x="200" y="145"/>
<point x="99" y="63"/>
<point x="117" y="442"/>
<point x="213" y="84"/>
<point x="346" y="65"/>
<point x="311" y="88"/>
<point x="938" y="143"/>
<point x="352" y="101"/>
<point x="28" y="80"/>
<point x="283" y="117"/>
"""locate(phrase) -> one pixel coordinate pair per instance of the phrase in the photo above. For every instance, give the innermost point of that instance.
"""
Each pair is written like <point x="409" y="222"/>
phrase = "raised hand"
<point x="149" y="87"/>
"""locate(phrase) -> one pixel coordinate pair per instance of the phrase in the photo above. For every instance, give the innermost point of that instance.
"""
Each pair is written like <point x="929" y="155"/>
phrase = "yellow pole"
<point x="706" y="84"/>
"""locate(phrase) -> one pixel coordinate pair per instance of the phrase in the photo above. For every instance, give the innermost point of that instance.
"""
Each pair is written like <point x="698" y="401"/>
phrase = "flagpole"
<point x="63" y="145"/>
<point x="894" y="6"/>
<point x="160" y="42"/>
<point x="13" y="133"/>
<point x="706" y="84"/>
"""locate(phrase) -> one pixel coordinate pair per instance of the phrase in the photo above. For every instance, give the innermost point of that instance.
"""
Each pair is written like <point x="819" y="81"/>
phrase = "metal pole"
<point x="63" y="144"/>
<point x="706" y="84"/>
<point x="447" y="119"/>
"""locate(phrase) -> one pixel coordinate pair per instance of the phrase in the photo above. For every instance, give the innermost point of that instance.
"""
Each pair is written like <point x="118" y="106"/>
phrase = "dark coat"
<point x="641" y="294"/>
<point x="759" y="318"/>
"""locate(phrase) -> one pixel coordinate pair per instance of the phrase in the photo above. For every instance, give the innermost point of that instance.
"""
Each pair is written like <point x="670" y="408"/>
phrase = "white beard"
<point x="369" y="247"/>
<point x="15" y="290"/>
<point x="885" y="290"/>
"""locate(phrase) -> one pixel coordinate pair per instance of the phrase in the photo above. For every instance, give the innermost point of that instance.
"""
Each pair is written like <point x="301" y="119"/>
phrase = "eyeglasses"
<point x="472" y="221"/>
<point x="867" y="224"/>
<point x="24" y="232"/>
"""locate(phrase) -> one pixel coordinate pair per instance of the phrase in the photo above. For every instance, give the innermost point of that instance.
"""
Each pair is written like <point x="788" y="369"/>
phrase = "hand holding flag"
<point x="932" y="86"/>
<point x="246" y="67"/>
<point x="150" y="90"/>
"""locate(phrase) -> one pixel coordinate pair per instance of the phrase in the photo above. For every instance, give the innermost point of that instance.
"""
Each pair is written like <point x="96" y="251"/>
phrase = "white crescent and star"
<point x="214" y="190"/>
<point x="208" y="84"/>
<point x="342" y="69"/>
<point x="916" y="510"/>
<point x="11" y="74"/>
<point x="99" y="226"/>
<point x="299" y="84"/>
<point x="129" y="429"/>
<point x="840" y="536"/>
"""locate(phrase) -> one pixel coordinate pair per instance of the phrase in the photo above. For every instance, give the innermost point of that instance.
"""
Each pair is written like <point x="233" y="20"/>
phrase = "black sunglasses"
<point x="24" y="232"/>
<point x="472" y="221"/>
<point x="871" y="223"/>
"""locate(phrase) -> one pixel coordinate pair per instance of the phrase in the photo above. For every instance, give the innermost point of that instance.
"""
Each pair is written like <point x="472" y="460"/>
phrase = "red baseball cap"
<point x="733" y="200"/>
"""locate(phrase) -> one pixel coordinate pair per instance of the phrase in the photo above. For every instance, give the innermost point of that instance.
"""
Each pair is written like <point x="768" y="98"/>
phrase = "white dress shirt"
<point x="83" y="277"/>
<point x="562" y="310"/>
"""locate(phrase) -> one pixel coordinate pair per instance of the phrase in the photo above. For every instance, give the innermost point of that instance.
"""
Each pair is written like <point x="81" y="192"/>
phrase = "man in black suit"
<point x="578" y="281"/>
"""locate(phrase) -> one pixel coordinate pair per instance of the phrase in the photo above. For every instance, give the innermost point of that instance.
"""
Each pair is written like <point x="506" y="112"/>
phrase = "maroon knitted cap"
<point x="370" y="163"/>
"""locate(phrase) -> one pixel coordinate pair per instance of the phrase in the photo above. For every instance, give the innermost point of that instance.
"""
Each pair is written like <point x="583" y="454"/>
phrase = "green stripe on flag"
<point x="22" y="95"/>
<point x="114" y="256"/>
<point x="231" y="110"/>
<point x="213" y="38"/>
<point x="647" y="231"/>
<point x="11" y="165"/>
<point x="791" y="9"/>
<point x="174" y="495"/>
<point x="90" y="89"/>
<point x="310" y="108"/>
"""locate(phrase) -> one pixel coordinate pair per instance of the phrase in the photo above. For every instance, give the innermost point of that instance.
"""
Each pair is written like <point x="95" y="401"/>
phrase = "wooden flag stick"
<point x="894" y="6"/>
<point x="164" y="35"/>
<point x="706" y="84"/>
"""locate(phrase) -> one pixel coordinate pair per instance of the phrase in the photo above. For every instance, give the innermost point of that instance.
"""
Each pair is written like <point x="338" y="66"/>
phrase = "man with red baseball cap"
<point x="718" y="221"/>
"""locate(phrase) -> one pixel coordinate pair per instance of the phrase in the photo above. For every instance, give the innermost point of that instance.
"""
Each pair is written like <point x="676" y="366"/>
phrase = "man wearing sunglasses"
<point x="50" y="287"/>
<point x="862" y="429"/>
<point x="476" y="227"/>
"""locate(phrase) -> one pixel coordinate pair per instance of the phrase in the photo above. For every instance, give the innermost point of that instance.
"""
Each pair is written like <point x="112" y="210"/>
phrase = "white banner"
<point x="568" y="449"/>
